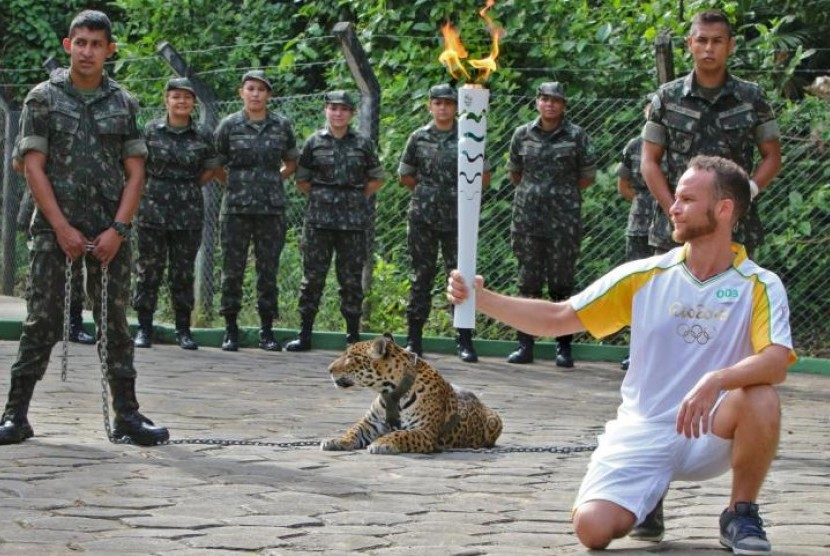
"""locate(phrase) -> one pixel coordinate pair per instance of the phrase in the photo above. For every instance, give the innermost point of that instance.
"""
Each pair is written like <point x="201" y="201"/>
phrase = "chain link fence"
<point x="795" y="210"/>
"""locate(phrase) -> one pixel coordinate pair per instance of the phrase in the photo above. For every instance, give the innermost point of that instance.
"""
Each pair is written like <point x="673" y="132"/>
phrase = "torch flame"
<point x="488" y="64"/>
<point x="454" y="50"/>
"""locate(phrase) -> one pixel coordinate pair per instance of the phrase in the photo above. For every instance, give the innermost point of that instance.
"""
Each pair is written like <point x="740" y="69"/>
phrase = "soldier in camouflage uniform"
<point x="84" y="158"/>
<point x="338" y="170"/>
<point x="429" y="169"/>
<point x="25" y="212"/>
<point x="709" y="112"/>
<point x="180" y="158"/>
<point x="551" y="161"/>
<point x="258" y="148"/>
<point x="631" y="186"/>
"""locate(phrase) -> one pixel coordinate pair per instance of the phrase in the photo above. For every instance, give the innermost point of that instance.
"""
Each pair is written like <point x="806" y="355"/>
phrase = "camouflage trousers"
<point x="349" y="250"/>
<point x="545" y="261"/>
<point x="76" y="301"/>
<point x="174" y="249"/>
<point x="423" y="243"/>
<point x="43" y="327"/>
<point x="267" y="234"/>
<point x="637" y="247"/>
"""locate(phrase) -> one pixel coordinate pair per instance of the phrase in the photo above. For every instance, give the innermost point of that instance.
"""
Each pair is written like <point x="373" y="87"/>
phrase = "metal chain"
<point x="67" y="295"/>
<point x="528" y="449"/>
<point x="103" y="353"/>
<point x="235" y="442"/>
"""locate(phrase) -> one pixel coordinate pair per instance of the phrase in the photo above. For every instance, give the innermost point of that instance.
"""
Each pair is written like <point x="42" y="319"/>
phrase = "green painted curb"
<point x="249" y="338"/>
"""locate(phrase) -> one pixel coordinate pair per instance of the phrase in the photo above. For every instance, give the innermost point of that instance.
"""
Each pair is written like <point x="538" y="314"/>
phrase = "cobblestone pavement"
<point x="69" y="491"/>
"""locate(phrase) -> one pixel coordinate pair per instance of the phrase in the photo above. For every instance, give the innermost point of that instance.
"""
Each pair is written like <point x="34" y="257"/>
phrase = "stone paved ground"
<point x="69" y="491"/>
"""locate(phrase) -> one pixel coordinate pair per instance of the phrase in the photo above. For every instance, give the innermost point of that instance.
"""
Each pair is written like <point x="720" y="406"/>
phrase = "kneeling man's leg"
<point x="598" y="522"/>
<point x="751" y="417"/>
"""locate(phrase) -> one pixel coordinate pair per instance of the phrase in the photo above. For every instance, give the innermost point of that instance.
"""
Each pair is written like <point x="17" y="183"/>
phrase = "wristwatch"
<point x="121" y="229"/>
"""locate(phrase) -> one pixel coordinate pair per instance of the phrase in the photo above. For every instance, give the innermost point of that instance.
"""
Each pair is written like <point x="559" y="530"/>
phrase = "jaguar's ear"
<point x="380" y="345"/>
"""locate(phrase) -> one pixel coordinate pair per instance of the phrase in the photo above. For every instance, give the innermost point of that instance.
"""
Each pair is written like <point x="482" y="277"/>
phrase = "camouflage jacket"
<point x="85" y="138"/>
<point x="547" y="201"/>
<point x="431" y="156"/>
<point x="686" y="124"/>
<point x="176" y="157"/>
<point x="338" y="170"/>
<point x="253" y="153"/>
<point x="643" y="204"/>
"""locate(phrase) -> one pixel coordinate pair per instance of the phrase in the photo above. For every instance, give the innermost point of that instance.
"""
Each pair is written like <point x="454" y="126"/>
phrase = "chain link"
<point x="528" y="449"/>
<point x="67" y="295"/>
<point x="103" y="353"/>
<point x="236" y="442"/>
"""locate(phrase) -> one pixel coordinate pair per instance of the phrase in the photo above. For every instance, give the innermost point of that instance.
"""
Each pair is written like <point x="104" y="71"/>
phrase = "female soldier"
<point x="180" y="159"/>
<point x="259" y="151"/>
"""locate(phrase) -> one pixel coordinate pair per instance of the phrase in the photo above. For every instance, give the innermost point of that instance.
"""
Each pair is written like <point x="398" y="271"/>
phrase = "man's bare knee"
<point x="598" y="522"/>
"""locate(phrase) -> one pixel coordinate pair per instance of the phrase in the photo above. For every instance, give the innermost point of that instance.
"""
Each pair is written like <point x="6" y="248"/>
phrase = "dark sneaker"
<point x="652" y="528"/>
<point x="742" y="530"/>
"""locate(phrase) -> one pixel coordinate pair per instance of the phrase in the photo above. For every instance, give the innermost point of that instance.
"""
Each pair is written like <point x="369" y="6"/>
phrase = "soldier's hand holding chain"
<point x="71" y="241"/>
<point x="106" y="246"/>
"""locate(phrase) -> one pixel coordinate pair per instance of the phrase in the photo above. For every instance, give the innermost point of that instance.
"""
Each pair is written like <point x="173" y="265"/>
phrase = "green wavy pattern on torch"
<point x="474" y="137"/>
<point x="473" y="116"/>
<point x="468" y="178"/>
<point x="473" y="159"/>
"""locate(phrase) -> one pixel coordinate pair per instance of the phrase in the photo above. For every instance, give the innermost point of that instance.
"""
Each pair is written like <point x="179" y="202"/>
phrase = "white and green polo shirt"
<point x="682" y="328"/>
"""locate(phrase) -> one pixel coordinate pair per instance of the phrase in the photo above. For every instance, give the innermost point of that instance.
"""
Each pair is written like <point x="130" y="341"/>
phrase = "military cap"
<point x="551" y="89"/>
<point x="444" y="90"/>
<point x="182" y="83"/>
<point x="340" y="97"/>
<point x="257" y="75"/>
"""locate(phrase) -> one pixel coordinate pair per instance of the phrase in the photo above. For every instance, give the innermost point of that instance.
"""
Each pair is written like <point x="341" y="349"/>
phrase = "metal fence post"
<point x="9" y="225"/>
<point x="664" y="58"/>
<point x="209" y="118"/>
<point x="369" y="121"/>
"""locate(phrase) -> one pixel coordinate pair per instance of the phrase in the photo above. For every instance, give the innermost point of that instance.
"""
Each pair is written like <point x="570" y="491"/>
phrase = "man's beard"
<point x="694" y="232"/>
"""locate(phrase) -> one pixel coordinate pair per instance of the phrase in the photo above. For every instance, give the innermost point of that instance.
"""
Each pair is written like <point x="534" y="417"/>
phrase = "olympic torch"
<point x="473" y="103"/>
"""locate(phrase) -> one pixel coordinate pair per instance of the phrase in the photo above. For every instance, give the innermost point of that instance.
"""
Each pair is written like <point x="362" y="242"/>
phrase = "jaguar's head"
<point x="376" y="364"/>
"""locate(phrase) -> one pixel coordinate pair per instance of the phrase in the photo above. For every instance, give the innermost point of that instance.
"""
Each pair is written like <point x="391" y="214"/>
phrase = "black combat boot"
<point x="525" y="352"/>
<point x="14" y="426"/>
<point x="144" y="335"/>
<point x="183" y="335"/>
<point x="303" y="341"/>
<point x="128" y="421"/>
<point x="77" y="333"/>
<point x="414" y="337"/>
<point x="231" y="340"/>
<point x="352" y="329"/>
<point x="563" y="351"/>
<point x="464" y="345"/>
<point x="266" y="334"/>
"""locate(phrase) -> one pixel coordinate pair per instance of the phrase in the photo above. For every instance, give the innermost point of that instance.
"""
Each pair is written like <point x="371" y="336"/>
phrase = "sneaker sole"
<point x="646" y="538"/>
<point x="726" y="543"/>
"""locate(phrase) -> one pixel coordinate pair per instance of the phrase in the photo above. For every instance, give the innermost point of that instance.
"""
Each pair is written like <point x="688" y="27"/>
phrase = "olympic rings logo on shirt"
<point x="695" y="333"/>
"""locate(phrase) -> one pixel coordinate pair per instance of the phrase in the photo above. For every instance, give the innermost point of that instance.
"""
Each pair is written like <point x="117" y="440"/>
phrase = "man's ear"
<point x="733" y="45"/>
<point x="111" y="49"/>
<point x="67" y="44"/>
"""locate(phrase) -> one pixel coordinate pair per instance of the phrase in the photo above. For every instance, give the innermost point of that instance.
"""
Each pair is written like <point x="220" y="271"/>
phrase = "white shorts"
<point x="635" y="462"/>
